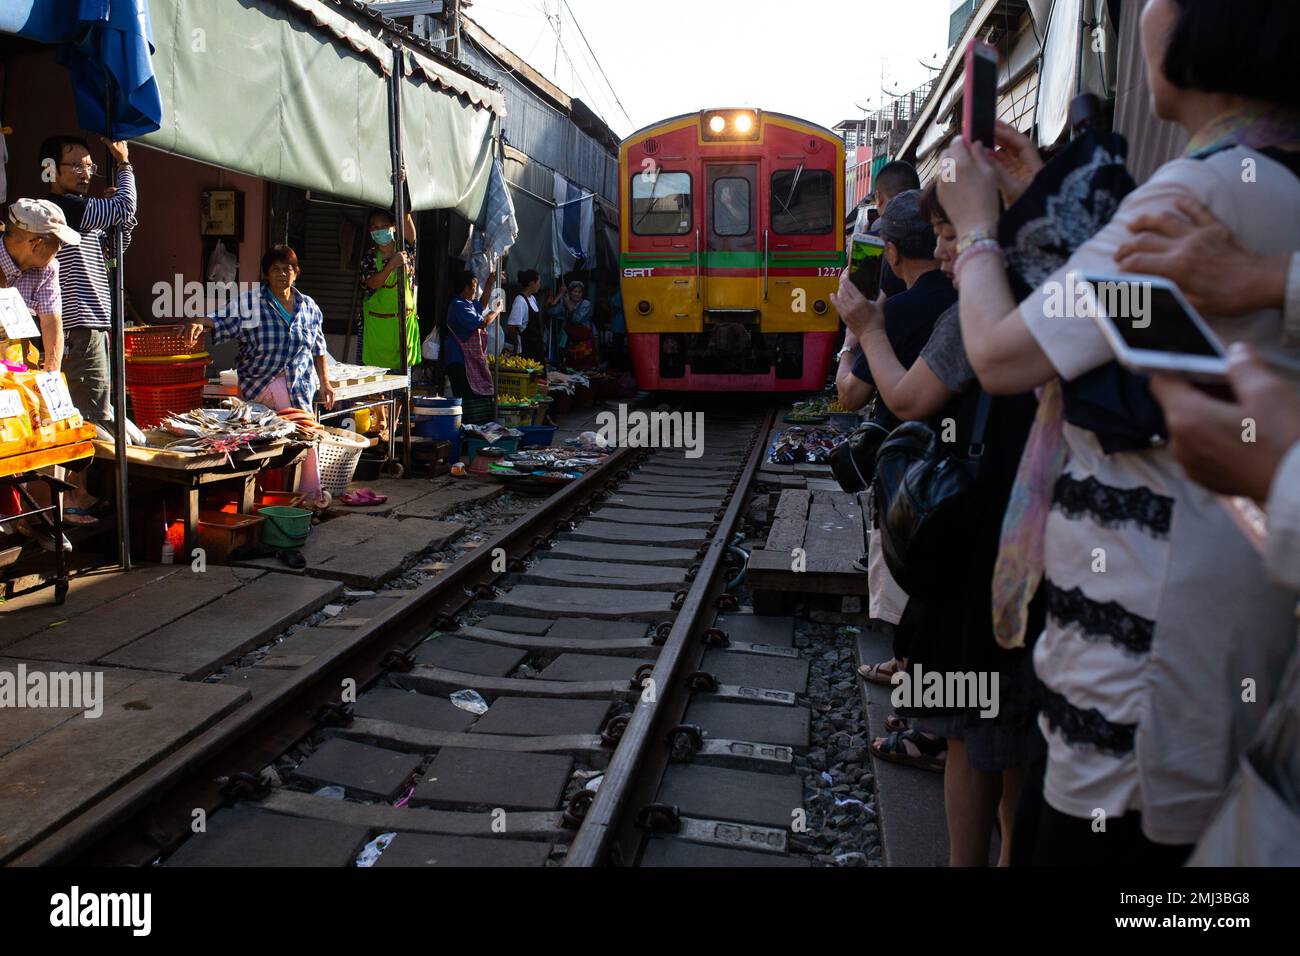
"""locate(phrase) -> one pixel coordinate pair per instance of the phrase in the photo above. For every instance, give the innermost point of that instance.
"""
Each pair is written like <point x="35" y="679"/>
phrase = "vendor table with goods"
<point x="39" y="428"/>
<point x="352" y="384"/>
<point x="206" y="446"/>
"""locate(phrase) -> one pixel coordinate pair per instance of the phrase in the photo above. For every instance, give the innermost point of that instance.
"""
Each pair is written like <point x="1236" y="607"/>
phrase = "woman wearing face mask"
<point x="382" y="267"/>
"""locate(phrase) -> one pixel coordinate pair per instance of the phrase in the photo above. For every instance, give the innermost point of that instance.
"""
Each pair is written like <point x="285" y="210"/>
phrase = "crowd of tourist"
<point x="1145" y="648"/>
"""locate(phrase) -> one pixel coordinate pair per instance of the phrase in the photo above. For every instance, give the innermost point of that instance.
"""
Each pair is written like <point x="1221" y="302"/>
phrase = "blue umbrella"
<point x="106" y="46"/>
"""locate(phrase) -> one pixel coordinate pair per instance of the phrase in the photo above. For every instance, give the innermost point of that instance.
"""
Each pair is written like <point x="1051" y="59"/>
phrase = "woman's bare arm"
<point x="912" y="393"/>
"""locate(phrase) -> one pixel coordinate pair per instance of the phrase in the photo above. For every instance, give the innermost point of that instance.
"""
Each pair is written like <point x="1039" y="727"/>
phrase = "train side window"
<point x="730" y="214"/>
<point x="661" y="204"/>
<point x="803" y="201"/>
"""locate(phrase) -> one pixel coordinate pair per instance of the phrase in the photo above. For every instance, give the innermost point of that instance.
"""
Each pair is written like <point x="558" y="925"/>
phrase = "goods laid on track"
<point x="581" y="689"/>
<point x="526" y="729"/>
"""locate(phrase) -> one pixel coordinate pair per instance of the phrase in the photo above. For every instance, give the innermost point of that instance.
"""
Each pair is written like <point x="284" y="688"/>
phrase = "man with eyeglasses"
<point x="83" y="272"/>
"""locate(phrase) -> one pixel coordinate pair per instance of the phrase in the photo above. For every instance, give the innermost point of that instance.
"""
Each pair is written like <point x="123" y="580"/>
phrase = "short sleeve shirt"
<point x="946" y="355"/>
<point x="910" y="317"/>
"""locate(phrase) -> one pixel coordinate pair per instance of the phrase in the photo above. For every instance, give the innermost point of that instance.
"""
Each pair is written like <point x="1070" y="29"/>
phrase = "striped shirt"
<point x="269" y="346"/>
<point x="83" y="269"/>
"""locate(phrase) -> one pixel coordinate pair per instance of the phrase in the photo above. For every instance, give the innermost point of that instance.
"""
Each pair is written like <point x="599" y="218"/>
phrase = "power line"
<point x="612" y="91"/>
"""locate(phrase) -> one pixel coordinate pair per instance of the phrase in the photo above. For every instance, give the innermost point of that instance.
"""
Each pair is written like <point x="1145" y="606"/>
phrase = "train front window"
<point x="661" y="204"/>
<point x="731" y="206"/>
<point x="803" y="201"/>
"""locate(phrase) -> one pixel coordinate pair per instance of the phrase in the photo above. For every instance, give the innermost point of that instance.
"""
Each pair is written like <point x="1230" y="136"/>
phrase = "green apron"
<point x="379" y="331"/>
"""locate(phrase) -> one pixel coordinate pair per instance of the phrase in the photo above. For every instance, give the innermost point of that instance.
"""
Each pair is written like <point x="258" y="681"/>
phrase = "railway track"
<point x="635" y="713"/>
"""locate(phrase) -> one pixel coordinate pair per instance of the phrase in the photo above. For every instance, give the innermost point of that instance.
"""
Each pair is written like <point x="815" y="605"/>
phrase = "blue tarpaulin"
<point x="106" y="45"/>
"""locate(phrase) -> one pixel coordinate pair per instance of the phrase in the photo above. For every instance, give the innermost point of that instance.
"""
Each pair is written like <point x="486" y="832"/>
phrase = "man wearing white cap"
<point x="35" y="232"/>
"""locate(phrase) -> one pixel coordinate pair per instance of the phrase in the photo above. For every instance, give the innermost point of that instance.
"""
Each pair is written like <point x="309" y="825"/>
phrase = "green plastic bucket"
<point x="285" y="527"/>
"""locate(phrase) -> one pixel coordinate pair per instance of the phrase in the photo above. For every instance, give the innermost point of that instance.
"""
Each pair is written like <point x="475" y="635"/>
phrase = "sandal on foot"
<point x="896" y="724"/>
<point x="930" y="751"/>
<point x="877" y="673"/>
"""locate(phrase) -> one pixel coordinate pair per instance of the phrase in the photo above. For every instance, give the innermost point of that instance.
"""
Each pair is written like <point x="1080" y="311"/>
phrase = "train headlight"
<point x="722" y="126"/>
<point x="643" y="307"/>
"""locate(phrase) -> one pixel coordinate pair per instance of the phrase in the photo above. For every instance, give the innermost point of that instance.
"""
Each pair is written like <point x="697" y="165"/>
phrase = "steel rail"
<point x="152" y="812"/>
<point x="608" y="832"/>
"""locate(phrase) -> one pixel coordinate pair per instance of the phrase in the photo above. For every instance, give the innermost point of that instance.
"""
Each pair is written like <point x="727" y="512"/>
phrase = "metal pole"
<point x="117" y="358"/>
<point x="399" y="209"/>
<point x="496" y="366"/>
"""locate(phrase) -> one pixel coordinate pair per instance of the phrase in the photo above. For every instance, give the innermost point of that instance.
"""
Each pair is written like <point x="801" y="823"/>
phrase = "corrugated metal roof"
<point x="343" y="19"/>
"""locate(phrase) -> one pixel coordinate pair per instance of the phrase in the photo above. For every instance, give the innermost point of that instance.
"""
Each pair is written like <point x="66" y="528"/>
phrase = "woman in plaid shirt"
<point x="282" y="354"/>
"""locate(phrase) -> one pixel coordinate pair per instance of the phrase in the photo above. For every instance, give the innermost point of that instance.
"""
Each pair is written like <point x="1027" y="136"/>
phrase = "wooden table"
<point x="193" y="472"/>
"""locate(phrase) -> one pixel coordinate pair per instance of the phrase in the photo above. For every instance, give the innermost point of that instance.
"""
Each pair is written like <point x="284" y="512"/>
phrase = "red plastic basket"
<point x="150" y="404"/>
<point x="167" y="373"/>
<point x="159" y="340"/>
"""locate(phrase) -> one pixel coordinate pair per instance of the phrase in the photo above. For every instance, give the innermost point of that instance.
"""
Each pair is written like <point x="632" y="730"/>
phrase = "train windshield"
<point x="731" y="206"/>
<point x="661" y="203"/>
<point x="803" y="201"/>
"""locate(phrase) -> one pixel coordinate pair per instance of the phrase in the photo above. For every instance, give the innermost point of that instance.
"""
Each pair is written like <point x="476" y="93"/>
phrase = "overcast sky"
<point x="817" y="59"/>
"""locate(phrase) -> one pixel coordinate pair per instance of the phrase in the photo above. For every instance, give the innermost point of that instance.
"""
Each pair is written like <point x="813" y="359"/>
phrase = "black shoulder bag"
<point x="853" y="461"/>
<point x="923" y="496"/>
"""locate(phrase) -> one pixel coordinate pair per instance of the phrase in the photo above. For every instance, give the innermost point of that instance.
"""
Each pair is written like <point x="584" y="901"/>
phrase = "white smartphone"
<point x="1152" y="329"/>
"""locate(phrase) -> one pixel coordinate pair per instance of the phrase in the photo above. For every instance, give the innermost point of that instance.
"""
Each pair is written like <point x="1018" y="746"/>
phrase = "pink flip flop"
<point x="361" y="498"/>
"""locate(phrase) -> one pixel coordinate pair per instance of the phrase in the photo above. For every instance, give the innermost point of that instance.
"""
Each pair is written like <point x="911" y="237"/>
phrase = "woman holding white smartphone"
<point x="1164" y="640"/>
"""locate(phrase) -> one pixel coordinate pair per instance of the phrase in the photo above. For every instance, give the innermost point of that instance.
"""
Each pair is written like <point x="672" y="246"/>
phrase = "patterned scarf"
<point x="1070" y="199"/>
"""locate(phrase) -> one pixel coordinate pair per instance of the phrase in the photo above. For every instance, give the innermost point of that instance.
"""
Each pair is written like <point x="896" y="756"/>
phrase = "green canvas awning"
<point x="447" y="141"/>
<point x="297" y="93"/>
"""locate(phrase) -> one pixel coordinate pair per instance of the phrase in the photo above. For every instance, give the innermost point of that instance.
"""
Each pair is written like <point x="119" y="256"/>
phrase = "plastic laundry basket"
<point x="337" y="455"/>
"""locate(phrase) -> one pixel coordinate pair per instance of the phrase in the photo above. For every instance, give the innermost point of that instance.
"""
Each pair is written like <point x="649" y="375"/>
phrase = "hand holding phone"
<point x="980" y="94"/>
<point x="866" y="257"/>
<point x="1152" y="328"/>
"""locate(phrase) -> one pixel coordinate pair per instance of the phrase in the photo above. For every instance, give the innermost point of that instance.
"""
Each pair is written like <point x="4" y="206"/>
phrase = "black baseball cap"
<point x="902" y="223"/>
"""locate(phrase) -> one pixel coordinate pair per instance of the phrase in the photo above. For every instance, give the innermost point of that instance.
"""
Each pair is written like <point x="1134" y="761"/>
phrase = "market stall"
<point x="39" y="428"/>
<point x="358" y="391"/>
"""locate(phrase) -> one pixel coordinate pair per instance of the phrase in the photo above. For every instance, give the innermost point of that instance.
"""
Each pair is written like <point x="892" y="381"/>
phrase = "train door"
<point x="731" y="279"/>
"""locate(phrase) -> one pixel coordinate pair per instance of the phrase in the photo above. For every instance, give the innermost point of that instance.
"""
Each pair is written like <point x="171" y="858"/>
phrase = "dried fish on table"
<point x="234" y="426"/>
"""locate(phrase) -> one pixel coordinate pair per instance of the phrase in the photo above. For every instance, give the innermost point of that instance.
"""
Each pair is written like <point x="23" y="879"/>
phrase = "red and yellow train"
<point x="731" y="241"/>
